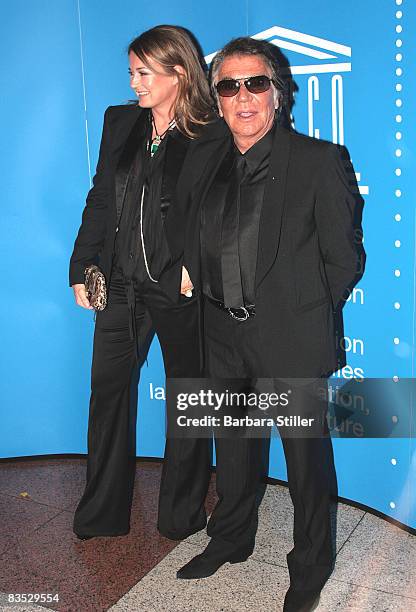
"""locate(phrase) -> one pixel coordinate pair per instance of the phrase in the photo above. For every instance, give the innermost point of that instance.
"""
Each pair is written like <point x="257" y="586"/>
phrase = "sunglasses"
<point x="256" y="84"/>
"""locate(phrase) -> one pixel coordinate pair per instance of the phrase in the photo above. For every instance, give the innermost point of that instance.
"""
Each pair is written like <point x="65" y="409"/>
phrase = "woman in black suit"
<point x="125" y="231"/>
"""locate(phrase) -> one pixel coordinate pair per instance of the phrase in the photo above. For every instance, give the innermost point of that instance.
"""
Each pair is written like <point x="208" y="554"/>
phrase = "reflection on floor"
<point x="375" y="569"/>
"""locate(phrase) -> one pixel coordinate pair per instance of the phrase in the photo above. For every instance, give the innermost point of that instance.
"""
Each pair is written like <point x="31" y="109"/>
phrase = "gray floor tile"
<point x="380" y="556"/>
<point x="244" y="587"/>
<point x="344" y="597"/>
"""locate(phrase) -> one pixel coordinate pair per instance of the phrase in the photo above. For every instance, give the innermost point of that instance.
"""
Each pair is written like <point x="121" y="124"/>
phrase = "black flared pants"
<point x="104" y="509"/>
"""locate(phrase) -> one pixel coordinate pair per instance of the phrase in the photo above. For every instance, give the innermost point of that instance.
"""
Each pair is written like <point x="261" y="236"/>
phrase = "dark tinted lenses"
<point x="256" y="84"/>
<point x="227" y="88"/>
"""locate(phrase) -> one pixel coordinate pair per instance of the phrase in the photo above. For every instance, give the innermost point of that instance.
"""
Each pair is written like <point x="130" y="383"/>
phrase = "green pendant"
<point x="155" y="145"/>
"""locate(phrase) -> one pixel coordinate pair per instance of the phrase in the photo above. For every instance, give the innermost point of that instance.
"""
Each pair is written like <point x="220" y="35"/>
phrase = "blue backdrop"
<point x="63" y="64"/>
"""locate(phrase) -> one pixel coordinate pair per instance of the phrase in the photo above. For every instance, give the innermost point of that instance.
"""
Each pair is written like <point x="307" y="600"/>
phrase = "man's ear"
<point x="276" y="98"/>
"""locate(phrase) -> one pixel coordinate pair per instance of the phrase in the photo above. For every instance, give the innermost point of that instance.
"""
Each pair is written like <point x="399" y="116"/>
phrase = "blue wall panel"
<point x="64" y="63"/>
<point x="45" y="176"/>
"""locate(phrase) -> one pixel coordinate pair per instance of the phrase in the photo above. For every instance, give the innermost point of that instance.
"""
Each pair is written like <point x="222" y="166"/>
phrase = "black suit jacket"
<point x="123" y="128"/>
<point x="309" y="253"/>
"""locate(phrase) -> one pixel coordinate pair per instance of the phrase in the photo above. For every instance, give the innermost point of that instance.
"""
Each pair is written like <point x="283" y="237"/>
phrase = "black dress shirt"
<point x="129" y="257"/>
<point x="238" y="190"/>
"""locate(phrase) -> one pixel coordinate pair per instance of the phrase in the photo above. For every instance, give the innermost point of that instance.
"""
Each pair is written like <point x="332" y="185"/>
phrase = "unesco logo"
<point x="328" y="60"/>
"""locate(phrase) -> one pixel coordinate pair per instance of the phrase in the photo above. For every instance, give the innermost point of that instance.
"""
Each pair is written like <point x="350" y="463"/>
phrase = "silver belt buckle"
<point x="236" y="317"/>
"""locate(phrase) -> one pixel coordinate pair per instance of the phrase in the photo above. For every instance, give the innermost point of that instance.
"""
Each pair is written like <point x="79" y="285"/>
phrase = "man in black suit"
<point x="279" y="213"/>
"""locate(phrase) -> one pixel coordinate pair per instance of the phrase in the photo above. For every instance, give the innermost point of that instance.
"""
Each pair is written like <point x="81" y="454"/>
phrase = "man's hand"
<point x="81" y="296"/>
<point x="186" y="283"/>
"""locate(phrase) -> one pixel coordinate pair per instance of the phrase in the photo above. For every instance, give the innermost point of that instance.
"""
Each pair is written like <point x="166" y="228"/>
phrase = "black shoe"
<point x="101" y="535"/>
<point x="301" y="601"/>
<point x="206" y="564"/>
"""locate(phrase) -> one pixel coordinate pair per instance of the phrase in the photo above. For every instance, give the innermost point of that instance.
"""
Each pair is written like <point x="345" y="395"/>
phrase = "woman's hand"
<point x="81" y="296"/>
<point x="186" y="283"/>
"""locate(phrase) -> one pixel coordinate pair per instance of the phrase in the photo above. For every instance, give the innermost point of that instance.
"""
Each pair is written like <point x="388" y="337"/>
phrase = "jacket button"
<point x="117" y="228"/>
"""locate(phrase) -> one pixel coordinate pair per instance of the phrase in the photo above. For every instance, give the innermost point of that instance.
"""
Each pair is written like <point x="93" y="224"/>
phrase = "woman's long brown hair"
<point x="172" y="46"/>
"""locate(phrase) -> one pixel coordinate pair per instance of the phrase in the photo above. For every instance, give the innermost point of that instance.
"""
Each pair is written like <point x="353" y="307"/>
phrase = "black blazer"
<point x="309" y="253"/>
<point x="123" y="128"/>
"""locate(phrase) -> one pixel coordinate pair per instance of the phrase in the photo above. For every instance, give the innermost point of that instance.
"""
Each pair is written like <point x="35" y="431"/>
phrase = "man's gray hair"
<point x="250" y="46"/>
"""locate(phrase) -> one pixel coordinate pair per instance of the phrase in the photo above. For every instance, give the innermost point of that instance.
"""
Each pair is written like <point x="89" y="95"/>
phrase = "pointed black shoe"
<point x="301" y="601"/>
<point x="207" y="563"/>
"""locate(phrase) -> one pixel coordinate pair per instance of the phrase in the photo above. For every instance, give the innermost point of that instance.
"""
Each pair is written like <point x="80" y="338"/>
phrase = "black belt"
<point x="240" y="314"/>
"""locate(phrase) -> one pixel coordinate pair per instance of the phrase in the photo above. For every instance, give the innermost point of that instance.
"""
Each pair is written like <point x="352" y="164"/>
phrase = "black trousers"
<point x="104" y="509"/>
<point x="233" y="350"/>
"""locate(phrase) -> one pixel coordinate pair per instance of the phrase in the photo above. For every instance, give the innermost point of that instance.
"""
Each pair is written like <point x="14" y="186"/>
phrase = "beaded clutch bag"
<point x="95" y="287"/>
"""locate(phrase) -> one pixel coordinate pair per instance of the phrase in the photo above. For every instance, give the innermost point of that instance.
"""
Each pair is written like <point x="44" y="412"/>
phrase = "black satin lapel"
<point x="135" y="138"/>
<point x="273" y="204"/>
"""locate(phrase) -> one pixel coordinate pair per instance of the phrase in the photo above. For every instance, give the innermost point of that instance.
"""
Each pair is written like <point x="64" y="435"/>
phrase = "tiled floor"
<point x="375" y="569"/>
